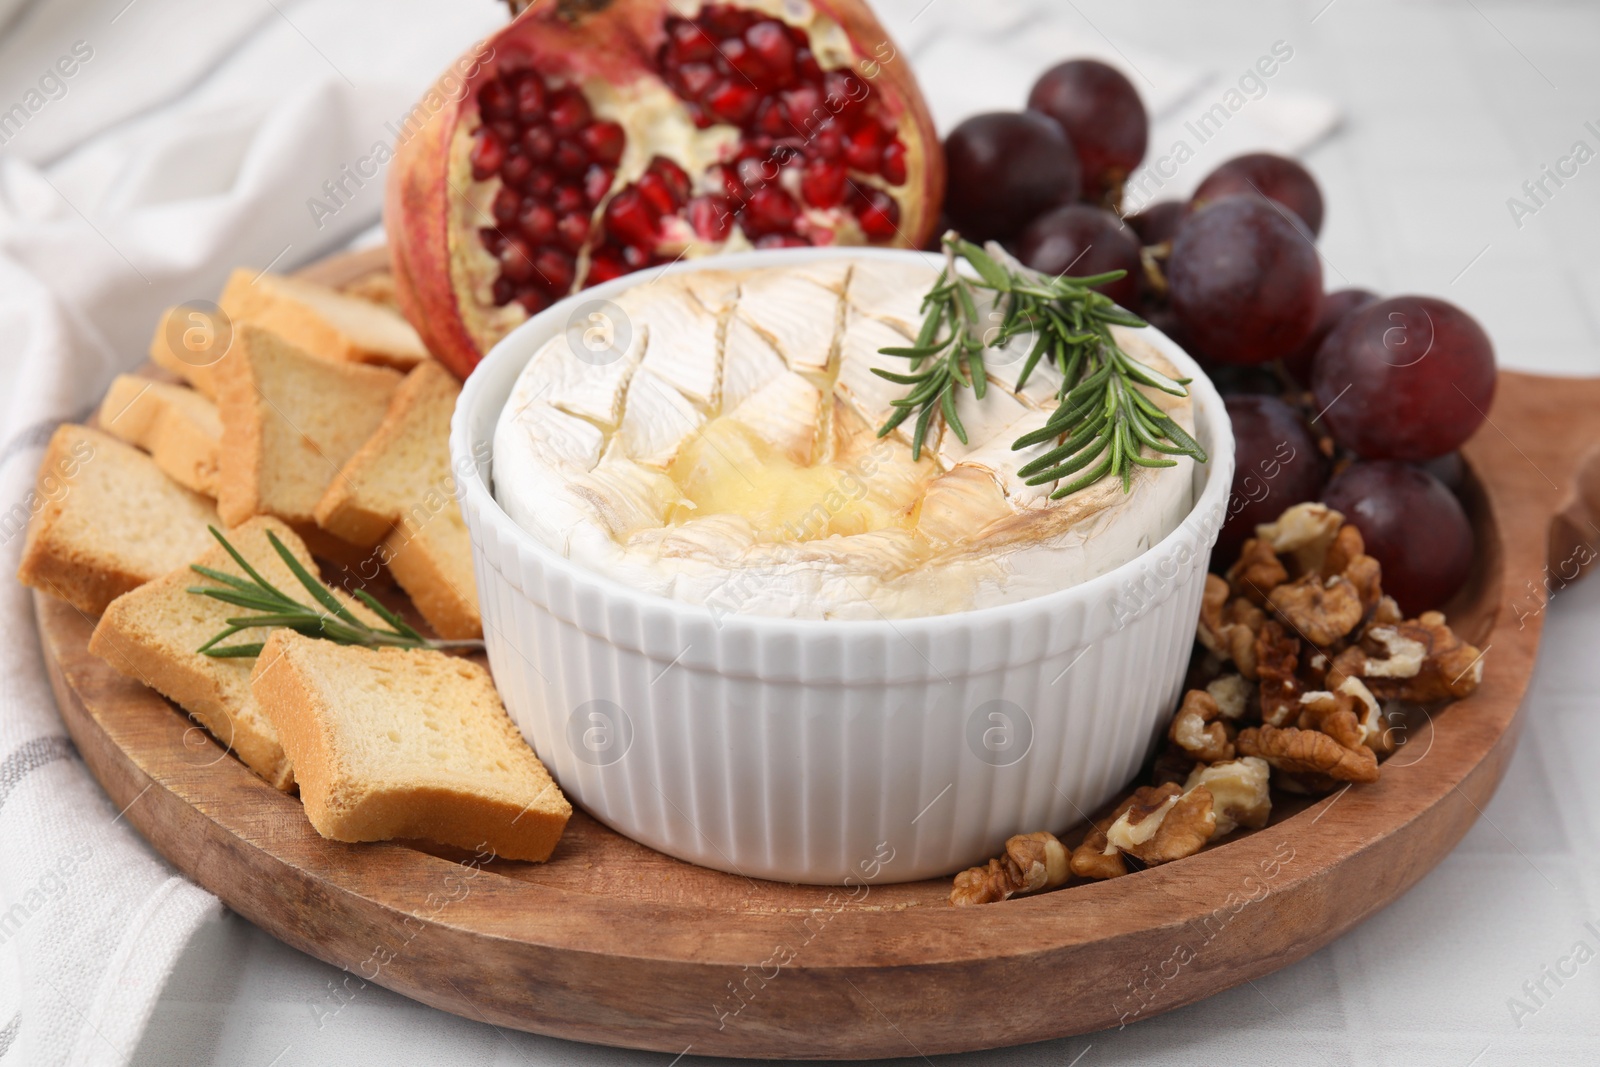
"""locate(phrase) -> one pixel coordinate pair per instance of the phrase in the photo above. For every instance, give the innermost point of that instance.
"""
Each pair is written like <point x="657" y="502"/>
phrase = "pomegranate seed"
<point x="533" y="299"/>
<point x="806" y="65"/>
<point x="725" y="21"/>
<point x="782" y="240"/>
<point x="630" y="217"/>
<point x="822" y="184"/>
<point x="516" y="259"/>
<point x="694" y="79"/>
<point x="604" y="142"/>
<point x="755" y="173"/>
<point x="493" y="240"/>
<point x="538" y="143"/>
<point x="702" y="119"/>
<point x="893" y="167"/>
<point x="597" y="183"/>
<point x="542" y="182"/>
<point x="656" y="193"/>
<point x="771" y="210"/>
<point x="515" y="170"/>
<point x="557" y="268"/>
<point x="711" y="217"/>
<point x="827" y="142"/>
<point x="570" y="158"/>
<point x="569" y="111"/>
<point x="636" y="258"/>
<point x="770" y="42"/>
<point x="689" y="43"/>
<point x="530" y="97"/>
<point x="569" y="199"/>
<point x="505" y="290"/>
<point x="787" y="151"/>
<point x="537" y="222"/>
<point x="506" y="130"/>
<point x="733" y="102"/>
<point x="676" y="178"/>
<point x="770" y="118"/>
<point x="863" y="148"/>
<point x="743" y="61"/>
<point x="494" y="102"/>
<point x="843" y="92"/>
<point x="488" y="153"/>
<point x="572" y="231"/>
<point x="800" y="108"/>
<point x="506" y="205"/>
<point x="604" y="266"/>
<point x="878" y="213"/>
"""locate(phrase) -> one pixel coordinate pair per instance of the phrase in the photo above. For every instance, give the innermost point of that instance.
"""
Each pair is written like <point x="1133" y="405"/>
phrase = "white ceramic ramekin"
<point x="829" y="752"/>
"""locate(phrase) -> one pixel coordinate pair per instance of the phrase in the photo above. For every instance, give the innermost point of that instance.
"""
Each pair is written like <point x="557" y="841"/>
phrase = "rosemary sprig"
<point x="1103" y="420"/>
<point x="333" y="620"/>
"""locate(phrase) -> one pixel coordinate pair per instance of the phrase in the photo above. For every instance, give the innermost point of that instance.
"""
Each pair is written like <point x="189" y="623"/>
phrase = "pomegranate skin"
<point x="616" y="41"/>
<point x="415" y="209"/>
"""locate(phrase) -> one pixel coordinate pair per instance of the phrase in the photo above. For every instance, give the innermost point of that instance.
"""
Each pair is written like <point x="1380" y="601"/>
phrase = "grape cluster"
<point x="1359" y="401"/>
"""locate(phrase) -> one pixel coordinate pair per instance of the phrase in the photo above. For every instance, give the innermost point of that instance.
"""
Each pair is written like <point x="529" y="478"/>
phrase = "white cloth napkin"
<point x="186" y="141"/>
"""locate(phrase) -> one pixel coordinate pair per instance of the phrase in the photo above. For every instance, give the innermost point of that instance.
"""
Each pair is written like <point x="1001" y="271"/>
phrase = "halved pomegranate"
<point x="602" y="137"/>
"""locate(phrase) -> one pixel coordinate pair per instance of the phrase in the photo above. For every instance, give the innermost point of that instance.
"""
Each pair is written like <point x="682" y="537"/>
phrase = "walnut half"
<point x="1300" y="751"/>
<point x="1239" y="792"/>
<point x="1197" y="731"/>
<point x="1032" y="862"/>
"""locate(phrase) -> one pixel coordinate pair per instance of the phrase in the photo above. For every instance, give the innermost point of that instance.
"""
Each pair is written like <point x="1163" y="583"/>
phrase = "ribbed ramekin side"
<point x="858" y="752"/>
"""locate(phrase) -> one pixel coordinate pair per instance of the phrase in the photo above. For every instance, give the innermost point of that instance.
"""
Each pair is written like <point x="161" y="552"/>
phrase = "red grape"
<point x="1245" y="283"/>
<point x="1276" y="465"/>
<point x="1406" y="378"/>
<point x="1102" y="115"/>
<point x="1006" y="168"/>
<point x="1334" y="307"/>
<point x="1412" y="525"/>
<point x="1158" y="223"/>
<point x="1079" y="240"/>
<point x="1450" y="469"/>
<point x="1262" y="174"/>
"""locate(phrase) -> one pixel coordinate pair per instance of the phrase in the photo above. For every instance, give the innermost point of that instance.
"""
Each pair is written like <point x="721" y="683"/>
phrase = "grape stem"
<point x="1105" y="422"/>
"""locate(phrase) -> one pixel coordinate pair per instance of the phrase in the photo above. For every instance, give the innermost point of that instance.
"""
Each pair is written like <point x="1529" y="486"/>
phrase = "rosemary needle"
<point x="332" y="620"/>
<point x="1104" y="423"/>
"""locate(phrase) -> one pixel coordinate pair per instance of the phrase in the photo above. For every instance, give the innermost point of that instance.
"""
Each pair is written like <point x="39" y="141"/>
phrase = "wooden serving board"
<point x="613" y="943"/>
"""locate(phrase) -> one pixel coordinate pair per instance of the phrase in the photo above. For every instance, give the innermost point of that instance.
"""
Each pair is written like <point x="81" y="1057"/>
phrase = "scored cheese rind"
<point x="685" y="351"/>
<point x="797" y="313"/>
<point x="656" y="419"/>
<point x="764" y="377"/>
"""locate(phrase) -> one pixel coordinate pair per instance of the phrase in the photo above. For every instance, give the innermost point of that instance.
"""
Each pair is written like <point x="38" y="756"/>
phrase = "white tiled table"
<point x="1449" y="108"/>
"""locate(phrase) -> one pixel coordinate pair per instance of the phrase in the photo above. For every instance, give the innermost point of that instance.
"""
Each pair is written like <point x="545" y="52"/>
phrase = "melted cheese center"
<point x="729" y="469"/>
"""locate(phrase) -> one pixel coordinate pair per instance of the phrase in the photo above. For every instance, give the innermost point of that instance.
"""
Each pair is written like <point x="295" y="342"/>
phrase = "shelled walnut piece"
<point x="1319" y="651"/>
<point x="1032" y="862"/>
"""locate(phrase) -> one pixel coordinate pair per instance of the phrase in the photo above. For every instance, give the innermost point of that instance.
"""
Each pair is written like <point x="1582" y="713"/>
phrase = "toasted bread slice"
<point x="176" y="425"/>
<point x="430" y="555"/>
<point x="323" y="321"/>
<point x="405" y="464"/>
<point x="107" y="520"/>
<point x="290" y="421"/>
<point x="399" y="488"/>
<point x="190" y="343"/>
<point x="376" y="288"/>
<point x="151" y="634"/>
<point x="394" y="743"/>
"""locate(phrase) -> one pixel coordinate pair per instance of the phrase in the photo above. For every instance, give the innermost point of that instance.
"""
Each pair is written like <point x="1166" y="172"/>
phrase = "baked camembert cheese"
<point x="711" y="436"/>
